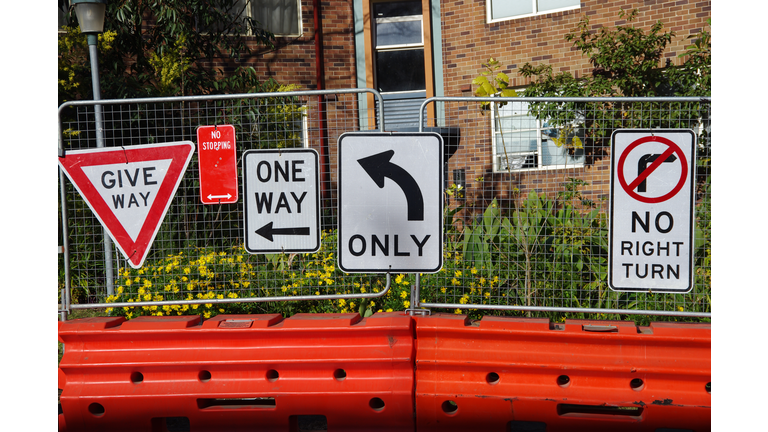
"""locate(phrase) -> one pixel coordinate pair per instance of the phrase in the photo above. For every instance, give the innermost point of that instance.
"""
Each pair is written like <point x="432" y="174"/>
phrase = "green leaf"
<point x="507" y="92"/>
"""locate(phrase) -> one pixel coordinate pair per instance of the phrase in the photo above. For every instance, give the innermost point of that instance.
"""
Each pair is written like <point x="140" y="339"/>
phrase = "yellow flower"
<point x="389" y="310"/>
<point x="342" y="302"/>
<point x="207" y="314"/>
<point x="352" y="305"/>
<point x="442" y="290"/>
<point x="680" y="308"/>
<point x="403" y="294"/>
<point x="457" y="273"/>
<point x="406" y="304"/>
<point x="457" y="311"/>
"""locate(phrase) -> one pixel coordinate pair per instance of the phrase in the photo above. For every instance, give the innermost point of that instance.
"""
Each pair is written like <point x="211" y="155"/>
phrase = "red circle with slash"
<point x="630" y="187"/>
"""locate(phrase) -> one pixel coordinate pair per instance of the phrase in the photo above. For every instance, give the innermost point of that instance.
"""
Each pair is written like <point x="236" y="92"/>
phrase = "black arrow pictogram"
<point x="642" y="166"/>
<point x="379" y="166"/>
<point x="268" y="232"/>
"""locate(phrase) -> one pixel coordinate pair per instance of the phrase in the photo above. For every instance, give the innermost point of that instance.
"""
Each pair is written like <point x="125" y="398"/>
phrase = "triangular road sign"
<point x="129" y="189"/>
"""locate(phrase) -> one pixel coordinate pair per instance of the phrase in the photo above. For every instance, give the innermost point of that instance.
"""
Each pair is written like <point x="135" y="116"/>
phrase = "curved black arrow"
<point x="378" y="167"/>
<point x="267" y="231"/>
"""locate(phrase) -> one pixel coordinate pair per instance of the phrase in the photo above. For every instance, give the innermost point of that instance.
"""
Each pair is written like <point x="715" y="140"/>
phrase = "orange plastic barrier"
<point x="244" y="372"/>
<point x="511" y="374"/>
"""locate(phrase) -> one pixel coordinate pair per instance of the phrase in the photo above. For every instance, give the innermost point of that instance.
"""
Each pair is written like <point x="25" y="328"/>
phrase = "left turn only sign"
<point x="282" y="201"/>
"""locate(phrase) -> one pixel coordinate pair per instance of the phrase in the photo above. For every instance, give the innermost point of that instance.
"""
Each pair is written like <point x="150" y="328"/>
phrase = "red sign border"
<point x="73" y="162"/>
<point x="643" y="140"/>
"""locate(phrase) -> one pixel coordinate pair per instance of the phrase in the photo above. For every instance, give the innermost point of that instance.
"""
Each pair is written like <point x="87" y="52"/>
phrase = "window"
<point x="499" y="10"/>
<point x="63" y="14"/>
<point x="399" y="41"/>
<point x="281" y="17"/>
<point x="521" y="142"/>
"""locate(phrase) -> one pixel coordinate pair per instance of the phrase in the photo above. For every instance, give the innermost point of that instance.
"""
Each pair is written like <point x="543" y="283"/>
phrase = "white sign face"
<point x="651" y="210"/>
<point x="282" y="201"/>
<point x="390" y="202"/>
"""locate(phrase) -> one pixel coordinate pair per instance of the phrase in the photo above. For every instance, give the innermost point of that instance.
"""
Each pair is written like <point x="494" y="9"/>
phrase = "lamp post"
<point x="90" y="15"/>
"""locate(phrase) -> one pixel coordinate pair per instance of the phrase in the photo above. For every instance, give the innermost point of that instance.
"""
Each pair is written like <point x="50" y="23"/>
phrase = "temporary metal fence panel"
<point x="198" y="258"/>
<point x="526" y="208"/>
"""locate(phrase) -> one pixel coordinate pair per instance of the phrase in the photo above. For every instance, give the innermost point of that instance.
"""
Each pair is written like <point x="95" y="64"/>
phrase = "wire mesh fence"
<point x="526" y="200"/>
<point x="527" y="219"/>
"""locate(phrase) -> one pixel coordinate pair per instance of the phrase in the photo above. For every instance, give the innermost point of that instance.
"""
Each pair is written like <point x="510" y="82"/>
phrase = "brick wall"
<point x="292" y="61"/>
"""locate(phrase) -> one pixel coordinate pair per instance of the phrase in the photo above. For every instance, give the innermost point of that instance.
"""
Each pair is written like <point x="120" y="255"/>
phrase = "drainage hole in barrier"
<point x="137" y="377"/>
<point x="308" y="423"/>
<point x="449" y="407"/>
<point x="708" y="387"/>
<point x="272" y="375"/>
<point x="170" y="424"/>
<point x="563" y="381"/>
<point x="492" y="378"/>
<point x="96" y="409"/>
<point x="376" y="404"/>
<point x="637" y="384"/>
<point x="526" y="426"/>
<point x="629" y="411"/>
<point x="340" y="374"/>
<point x="240" y="403"/>
<point x="204" y="376"/>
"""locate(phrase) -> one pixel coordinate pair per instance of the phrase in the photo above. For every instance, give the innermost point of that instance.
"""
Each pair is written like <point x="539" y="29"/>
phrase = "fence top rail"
<point x="669" y="99"/>
<point x="172" y="99"/>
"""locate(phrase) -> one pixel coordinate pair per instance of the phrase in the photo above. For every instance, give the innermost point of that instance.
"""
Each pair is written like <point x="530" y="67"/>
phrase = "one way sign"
<point x="282" y="203"/>
<point x="391" y="203"/>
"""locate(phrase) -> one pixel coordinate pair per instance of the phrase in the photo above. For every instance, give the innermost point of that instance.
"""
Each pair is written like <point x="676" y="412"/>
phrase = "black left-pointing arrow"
<point x="378" y="166"/>
<point x="267" y="231"/>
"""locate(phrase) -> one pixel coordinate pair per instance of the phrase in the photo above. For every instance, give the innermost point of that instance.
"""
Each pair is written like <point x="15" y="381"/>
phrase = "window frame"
<point x="300" y="27"/>
<point x="489" y="11"/>
<point x="396" y="47"/>
<point x="497" y="157"/>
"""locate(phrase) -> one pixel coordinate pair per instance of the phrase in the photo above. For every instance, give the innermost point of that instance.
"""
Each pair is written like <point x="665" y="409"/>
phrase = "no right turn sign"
<point x="651" y="210"/>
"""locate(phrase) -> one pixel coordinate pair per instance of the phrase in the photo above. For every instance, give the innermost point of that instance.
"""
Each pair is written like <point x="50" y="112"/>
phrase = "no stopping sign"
<point x="651" y="210"/>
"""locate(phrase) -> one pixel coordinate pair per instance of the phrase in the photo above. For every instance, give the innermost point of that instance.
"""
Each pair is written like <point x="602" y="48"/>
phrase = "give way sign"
<point x="129" y="189"/>
<point x="651" y="210"/>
